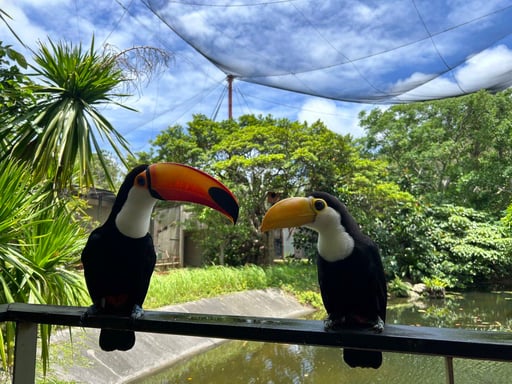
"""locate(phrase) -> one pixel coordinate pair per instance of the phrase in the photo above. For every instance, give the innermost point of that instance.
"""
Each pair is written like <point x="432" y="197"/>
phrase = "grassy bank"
<point x="188" y="284"/>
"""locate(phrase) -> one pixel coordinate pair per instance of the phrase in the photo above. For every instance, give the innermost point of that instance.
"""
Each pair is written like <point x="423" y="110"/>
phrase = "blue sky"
<point x="192" y="84"/>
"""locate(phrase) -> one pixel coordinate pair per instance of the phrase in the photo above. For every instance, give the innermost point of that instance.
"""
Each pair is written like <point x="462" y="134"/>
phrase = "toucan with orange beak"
<point x="350" y="272"/>
<point x="119" y="256"/>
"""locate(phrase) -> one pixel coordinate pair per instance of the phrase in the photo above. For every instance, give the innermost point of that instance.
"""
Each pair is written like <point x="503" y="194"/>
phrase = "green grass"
<point x="188" y="284"/>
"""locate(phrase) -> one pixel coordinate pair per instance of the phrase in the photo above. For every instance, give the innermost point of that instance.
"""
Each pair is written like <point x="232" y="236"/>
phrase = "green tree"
<point x="177" y="145"/>
<point x="15" y="92"/>
<point x="255" y="156"/>
<point x="258" y="155"/>
<point x="54" y="126"/>
<point x="472" y="248"/>
<point x="114" y="170"/>
<point x="456" y="150"/>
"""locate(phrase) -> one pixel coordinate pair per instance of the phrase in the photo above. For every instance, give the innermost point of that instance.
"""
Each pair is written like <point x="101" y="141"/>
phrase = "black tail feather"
<point x="110" y="340"/>
<point x="363" y="359"/>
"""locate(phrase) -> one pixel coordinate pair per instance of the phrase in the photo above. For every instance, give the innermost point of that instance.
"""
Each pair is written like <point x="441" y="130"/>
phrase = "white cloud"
<point x="20" y="23"/>
<point x="415" y="80"/>
<point x="486" y="69"/>
<point x="338" y="117"/>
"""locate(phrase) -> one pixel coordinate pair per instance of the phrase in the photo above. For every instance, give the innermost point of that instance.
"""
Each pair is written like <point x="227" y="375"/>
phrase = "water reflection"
<point x="474" y="310"/>
<point x="255" y="363"/>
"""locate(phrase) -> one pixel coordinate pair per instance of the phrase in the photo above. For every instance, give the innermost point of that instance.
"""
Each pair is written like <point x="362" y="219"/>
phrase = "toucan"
<point x="119" y="256"/>
<point x="350" y="272"/>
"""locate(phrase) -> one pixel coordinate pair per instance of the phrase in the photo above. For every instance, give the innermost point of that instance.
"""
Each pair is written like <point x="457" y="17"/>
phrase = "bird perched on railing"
<point x="350" y="273"/>
<point x="119" y="256"/>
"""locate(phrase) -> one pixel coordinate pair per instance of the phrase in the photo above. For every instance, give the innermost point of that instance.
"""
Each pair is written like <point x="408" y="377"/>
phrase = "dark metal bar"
<point x="25" y="353"/>
<point x="3" y="312"/>
<point x="450" y="376"/>
<point x="448" y="342"/>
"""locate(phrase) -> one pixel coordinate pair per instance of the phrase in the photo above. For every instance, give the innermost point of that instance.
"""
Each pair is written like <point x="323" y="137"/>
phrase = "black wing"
<point x="377" y="280"/>
<point x="146" y="267"/>
<point x="95" y="270"/>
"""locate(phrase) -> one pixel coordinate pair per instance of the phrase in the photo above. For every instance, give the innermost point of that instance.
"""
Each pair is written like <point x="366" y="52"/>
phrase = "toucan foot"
<point x="137" y="312"/>
<point x="357" y="322"/>
<point x="331" y="324"/>
<point x="378" y="327"/>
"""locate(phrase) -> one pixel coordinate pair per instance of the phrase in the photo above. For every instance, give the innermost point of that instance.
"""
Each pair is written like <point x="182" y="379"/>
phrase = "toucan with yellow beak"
<point x="350" y="272"/>
<point x="119" y="256"/>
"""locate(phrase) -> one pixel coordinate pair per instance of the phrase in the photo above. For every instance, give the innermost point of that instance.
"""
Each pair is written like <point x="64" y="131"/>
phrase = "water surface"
<point x="254" y="363"/>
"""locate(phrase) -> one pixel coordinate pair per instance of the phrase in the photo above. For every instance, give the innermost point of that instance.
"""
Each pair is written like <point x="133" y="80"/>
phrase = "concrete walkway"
<point x="153" y="352"/>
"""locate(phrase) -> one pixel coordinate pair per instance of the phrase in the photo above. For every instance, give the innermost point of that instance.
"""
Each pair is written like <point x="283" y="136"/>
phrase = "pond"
<point x="255" y="363"/>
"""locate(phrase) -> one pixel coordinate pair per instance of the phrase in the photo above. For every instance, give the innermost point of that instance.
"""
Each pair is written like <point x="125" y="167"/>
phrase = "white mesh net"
<point x="366" y="51"/>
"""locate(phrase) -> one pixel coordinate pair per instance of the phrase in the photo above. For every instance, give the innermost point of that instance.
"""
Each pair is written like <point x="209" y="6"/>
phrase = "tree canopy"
<point x="261" y="155"/>
<point x="428" y="182"/>
<point x="455" y="151"/>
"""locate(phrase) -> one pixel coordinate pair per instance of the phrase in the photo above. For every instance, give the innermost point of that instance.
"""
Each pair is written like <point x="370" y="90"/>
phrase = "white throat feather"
<point x="334" y="243"/>
<point x="135" y="216"/>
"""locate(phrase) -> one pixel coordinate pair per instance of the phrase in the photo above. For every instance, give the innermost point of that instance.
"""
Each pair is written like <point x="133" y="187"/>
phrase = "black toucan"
<point x="350" y="272"/>
<point x="119" y="256"/>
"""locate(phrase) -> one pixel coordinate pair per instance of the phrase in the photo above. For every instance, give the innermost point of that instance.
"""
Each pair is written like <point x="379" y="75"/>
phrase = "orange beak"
<point x="288" y="213"/>
<point x="178" y="182"/>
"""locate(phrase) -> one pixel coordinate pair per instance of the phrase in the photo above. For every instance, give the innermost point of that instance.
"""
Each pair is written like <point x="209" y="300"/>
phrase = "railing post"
<point x="25" y="353"/>
<point x="448" y="363"/>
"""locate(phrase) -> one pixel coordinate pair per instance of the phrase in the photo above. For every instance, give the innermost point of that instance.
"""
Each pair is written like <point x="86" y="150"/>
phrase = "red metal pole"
<point x="230" y="96"/>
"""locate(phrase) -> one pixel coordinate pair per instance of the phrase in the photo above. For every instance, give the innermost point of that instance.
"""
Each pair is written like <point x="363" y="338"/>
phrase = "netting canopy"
<point x="369" y="51"/>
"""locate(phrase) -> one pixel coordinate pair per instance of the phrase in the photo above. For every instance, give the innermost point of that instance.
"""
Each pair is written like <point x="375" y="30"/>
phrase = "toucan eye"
<point x="140" y="180"/>
<point x="319" y="204"/>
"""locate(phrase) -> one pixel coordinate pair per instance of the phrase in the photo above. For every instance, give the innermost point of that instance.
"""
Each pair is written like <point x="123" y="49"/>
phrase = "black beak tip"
<point x="225" y="201"/>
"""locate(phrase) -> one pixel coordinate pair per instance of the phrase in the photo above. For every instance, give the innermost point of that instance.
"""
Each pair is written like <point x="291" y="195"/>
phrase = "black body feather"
<point x="118" y="270"/>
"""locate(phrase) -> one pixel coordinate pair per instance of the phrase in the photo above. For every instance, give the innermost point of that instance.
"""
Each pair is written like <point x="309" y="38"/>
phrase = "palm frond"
<point x="65" y="124"/>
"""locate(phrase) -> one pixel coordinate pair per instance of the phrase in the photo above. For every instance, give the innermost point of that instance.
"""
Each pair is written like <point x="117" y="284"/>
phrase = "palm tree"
<point x="54" y="127"/>
<point x="65" y="126"/>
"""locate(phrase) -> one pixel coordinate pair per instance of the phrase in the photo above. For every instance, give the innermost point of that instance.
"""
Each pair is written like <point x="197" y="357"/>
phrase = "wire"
<point x="226" y="5"/>
<point x="240" y="95"/>
<point x="164" y="43"/>
<point x="219" y="104"/>
<point x="436" y="48"/>
<point x="116" y="25"/>
<point x="359" y="72"/>
<point x="202" y="94"/>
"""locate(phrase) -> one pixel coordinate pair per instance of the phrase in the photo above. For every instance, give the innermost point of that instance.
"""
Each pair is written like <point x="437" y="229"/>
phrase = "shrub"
<point x="40" y="246"/>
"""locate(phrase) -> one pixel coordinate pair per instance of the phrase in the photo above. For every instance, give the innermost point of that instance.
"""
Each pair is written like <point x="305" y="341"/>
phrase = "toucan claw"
<point x="344" y="322"/>
<point x="331" y="324"/>
<point x="137" y="312"/>
<point x="378" y="327"/>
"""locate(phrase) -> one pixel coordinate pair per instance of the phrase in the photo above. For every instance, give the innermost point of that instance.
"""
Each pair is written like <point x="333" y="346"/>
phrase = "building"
<point x="174" y="245"/>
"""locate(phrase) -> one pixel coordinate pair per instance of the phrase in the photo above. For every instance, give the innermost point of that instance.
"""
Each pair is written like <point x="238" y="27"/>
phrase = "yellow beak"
<point x="290" y="212"/>
<point x="178" y="182"/>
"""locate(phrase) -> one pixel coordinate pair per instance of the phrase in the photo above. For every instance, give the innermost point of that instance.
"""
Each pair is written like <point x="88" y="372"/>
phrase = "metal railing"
<point x="447" y="342"/>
